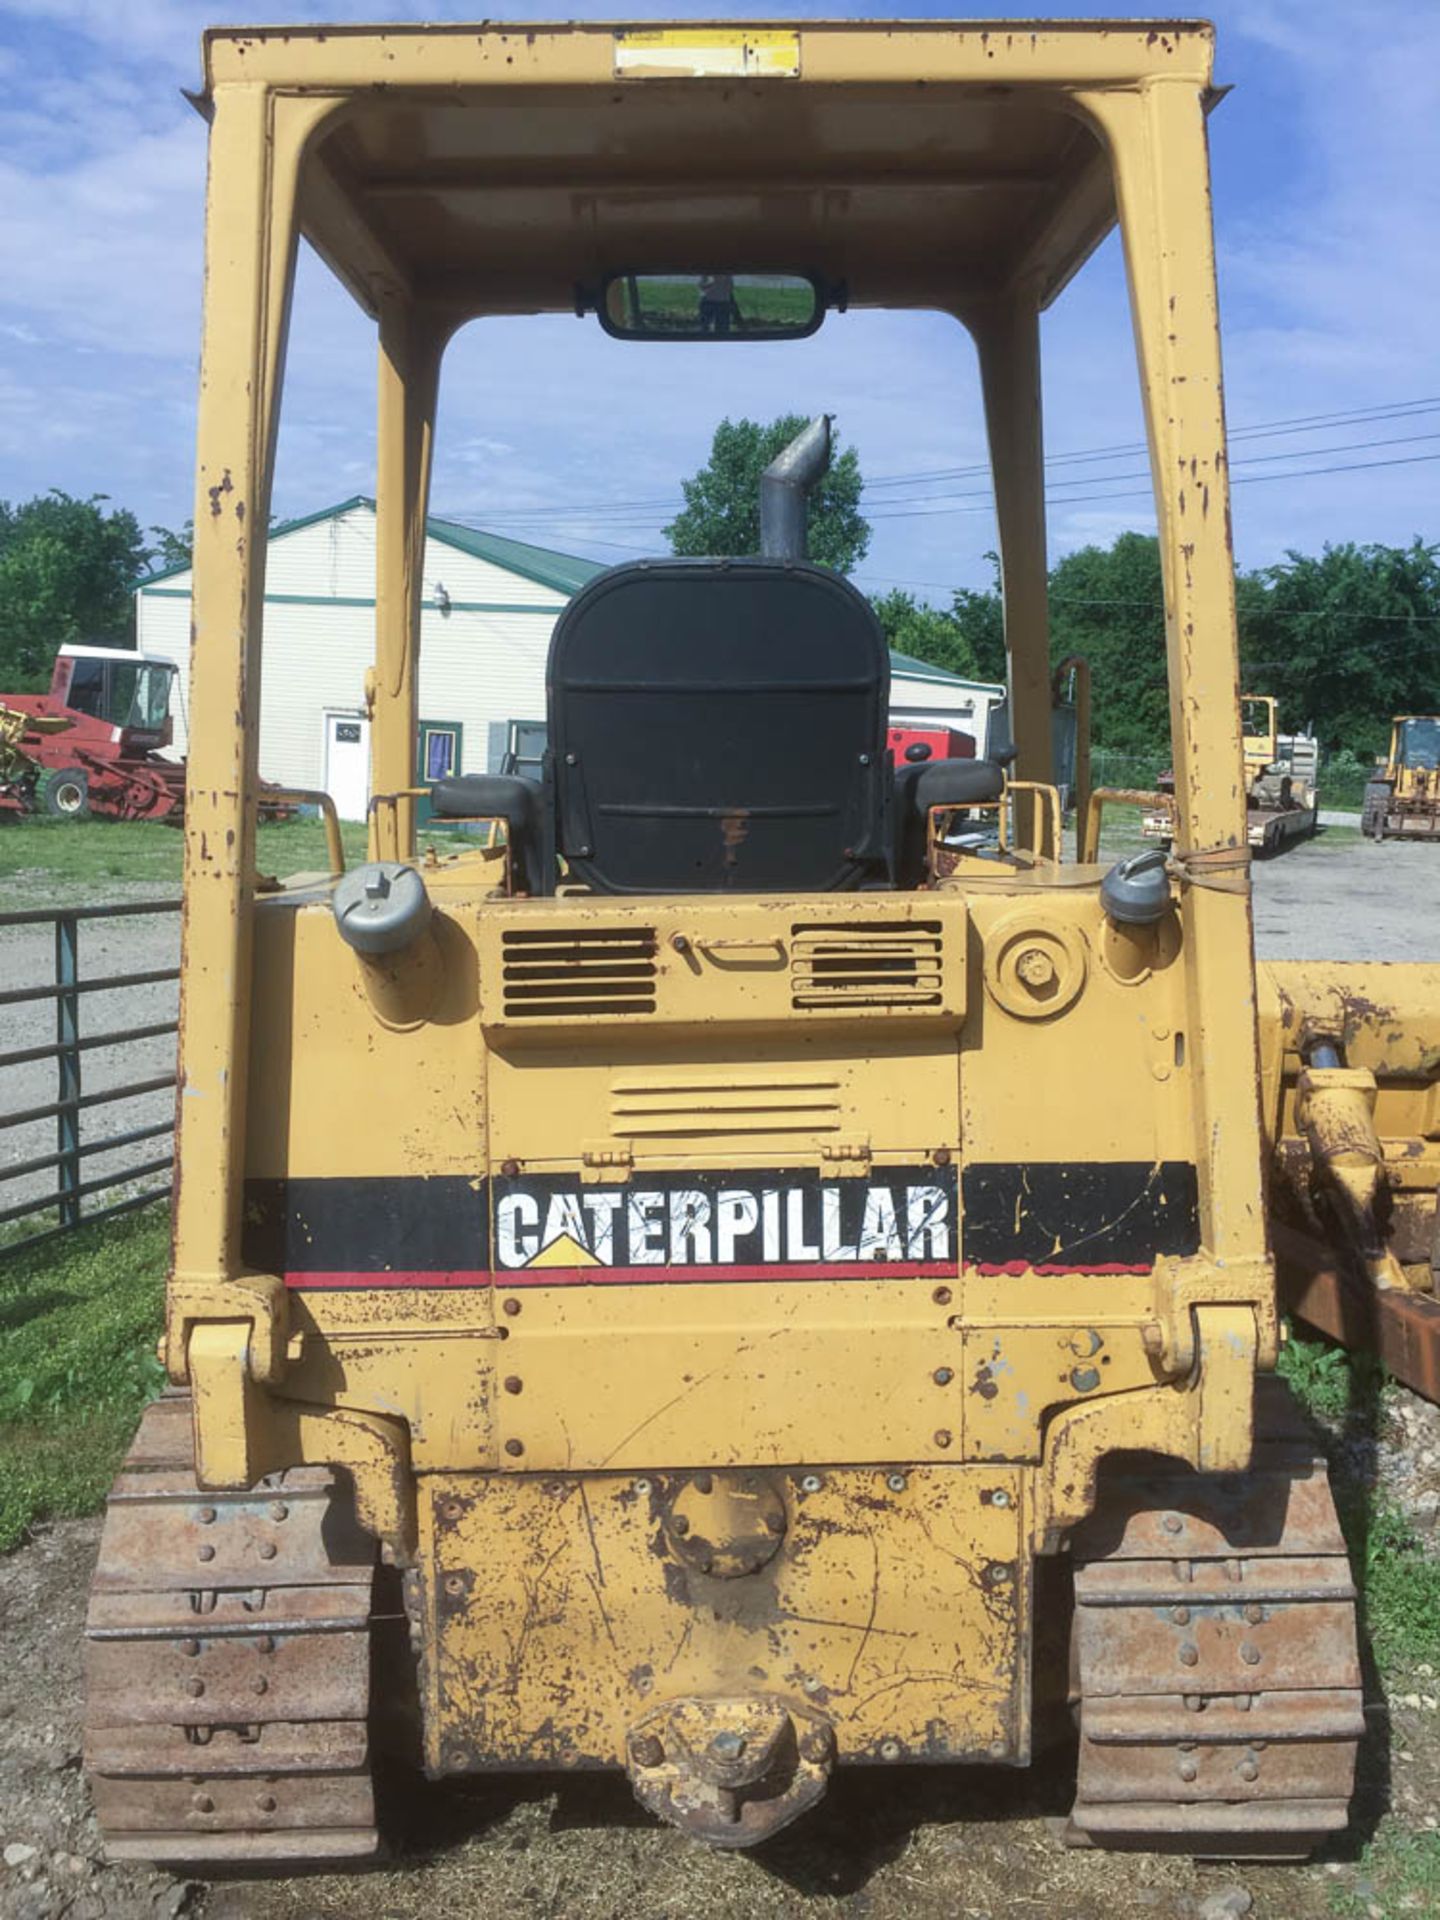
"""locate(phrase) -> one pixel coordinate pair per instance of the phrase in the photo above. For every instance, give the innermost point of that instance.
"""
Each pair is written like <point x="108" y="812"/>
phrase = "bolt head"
<point x="1250" y="1653"/>
<point x="646" y="1750"/>
<point x="941" y="1296"/>
<point x="896" y="1482"/>
<point x="202" y="1803"/>
<point x="1189" y="1654"/>
<point x="1172" y="1523"/>
<point x="943" y="1436"/>
<point x="513" y="1383"/>
<point x="1036" y="968"/>
<point x="510" y="1307"/>
<point x="680" y="1524"/>
<point x="1187" y="1770"/>
<point x="942" y="1376"/>
<point x="279" y="1510"/>
<point x="514" y="1448"/>
<point x="206" y="1516"/>
<point x="1248" y="1770"/>
<point x="727" y="1744"/>
<point x="811" y="1483"/>
<point x="268" y="1549"/>
<point x="889" y="1749"/>
<point x="205" y="1553"/>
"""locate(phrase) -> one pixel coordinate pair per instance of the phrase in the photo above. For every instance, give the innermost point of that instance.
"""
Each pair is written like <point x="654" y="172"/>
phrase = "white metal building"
<point x="489" y="605"/>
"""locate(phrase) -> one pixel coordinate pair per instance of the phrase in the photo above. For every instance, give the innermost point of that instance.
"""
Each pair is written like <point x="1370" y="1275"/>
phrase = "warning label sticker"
<point x="703" y="53"/>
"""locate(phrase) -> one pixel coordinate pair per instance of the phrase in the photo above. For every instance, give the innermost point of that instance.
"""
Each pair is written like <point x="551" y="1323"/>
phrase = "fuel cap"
<point x="380" y="907"/>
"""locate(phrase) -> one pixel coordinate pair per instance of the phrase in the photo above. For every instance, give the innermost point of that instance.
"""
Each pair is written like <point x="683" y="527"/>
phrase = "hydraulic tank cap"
<point x="381" y="907"/>
<point x="1136" y="890"/>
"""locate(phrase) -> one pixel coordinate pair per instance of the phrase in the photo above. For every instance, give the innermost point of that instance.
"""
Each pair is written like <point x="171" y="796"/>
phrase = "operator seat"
<point x="718" y="726"/>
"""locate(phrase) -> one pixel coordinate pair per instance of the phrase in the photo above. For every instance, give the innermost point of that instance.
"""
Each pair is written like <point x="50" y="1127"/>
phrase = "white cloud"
<point x="1328" y="188"/>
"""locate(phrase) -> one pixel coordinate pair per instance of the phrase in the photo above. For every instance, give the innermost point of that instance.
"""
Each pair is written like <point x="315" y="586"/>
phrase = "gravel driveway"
<point x="144" y="944"/>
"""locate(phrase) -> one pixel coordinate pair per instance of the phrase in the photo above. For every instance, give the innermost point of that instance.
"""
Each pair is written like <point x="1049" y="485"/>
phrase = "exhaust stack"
<point x="785" y="487"/>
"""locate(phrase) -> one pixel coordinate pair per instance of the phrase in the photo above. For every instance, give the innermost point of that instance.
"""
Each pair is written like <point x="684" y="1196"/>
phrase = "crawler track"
<point x="1218" y="1673"/>
<point x="228" y="1664"/>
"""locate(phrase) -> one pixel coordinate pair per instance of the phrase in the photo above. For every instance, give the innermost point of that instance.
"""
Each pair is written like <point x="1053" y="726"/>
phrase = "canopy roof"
<point x="506" y="169"/>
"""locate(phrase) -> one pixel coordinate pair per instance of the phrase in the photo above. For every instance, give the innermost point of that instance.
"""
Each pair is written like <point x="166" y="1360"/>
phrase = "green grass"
<point x="79" y="1318"/>
<point x="1326" y="1380"/>
<point x="1398" y="1577"/>
<point x="83" y="852"/>
<point x="1399" y="1875"/>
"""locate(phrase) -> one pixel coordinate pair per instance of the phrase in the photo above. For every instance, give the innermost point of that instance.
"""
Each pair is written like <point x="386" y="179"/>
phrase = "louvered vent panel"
<point x="684" y="1105"/>
<point x="865" y="964"/>
<point x="569" y="973"/>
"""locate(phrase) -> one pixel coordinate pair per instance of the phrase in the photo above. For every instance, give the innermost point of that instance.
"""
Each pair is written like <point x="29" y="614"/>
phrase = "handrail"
<point x="1077" y="665"/>
<point x="1048" y="796"/>
<point x="1102" y="797"/>
<point x="315" y="797"/>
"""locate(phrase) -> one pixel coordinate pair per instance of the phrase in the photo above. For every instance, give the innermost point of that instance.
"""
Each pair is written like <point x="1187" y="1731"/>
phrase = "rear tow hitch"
<point x="731" y="1772"/>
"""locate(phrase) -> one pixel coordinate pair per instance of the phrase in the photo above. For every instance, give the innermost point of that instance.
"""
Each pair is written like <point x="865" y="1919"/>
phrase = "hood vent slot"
<point x="571" y="973"/>
<point x="867" y="965"/>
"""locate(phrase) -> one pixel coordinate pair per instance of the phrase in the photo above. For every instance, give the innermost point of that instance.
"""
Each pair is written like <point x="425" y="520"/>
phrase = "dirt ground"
<point x="922" y="1843"/>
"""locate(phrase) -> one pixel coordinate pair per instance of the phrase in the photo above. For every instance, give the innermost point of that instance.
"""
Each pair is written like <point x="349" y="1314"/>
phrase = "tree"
<point x="1346" y="639"/>
<point x="1109" y="604"/>
<point x="968" y="638"/>
<point x="721" y="514"/>
<point x="174" y="549"/>
<point x="66" y="568"/>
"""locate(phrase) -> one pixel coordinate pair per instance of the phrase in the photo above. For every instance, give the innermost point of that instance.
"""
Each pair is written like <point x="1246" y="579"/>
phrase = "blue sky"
<point x="1327" y="200"/>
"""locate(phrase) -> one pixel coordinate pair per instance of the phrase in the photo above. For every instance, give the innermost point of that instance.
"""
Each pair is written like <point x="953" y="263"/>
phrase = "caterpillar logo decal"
<point x="725" y="1226"/>
<point x="537" y="1229"/>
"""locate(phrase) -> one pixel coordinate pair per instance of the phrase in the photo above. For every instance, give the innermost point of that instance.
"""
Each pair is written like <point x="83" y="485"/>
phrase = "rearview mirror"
<point x="710" y="306"/>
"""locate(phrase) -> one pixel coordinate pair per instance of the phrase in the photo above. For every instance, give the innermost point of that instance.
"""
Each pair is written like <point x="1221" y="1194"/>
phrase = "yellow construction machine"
<point x="694" y="1284"/>
<point x="1281" y="769"/>
<point x="1402" y="796"/>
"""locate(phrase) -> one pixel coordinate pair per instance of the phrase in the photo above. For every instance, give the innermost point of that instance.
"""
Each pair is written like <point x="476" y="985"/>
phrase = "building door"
<point x="347" y="763"/>
<point x="437" y="755"/>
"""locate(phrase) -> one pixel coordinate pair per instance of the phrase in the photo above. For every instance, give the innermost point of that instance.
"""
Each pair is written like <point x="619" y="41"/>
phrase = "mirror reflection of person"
<point x="717" y="303"/>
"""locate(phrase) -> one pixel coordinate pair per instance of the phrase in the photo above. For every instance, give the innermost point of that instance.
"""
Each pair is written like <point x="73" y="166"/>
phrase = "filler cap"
<point x="1136" y="890"/>
<point x="380" y="907"/>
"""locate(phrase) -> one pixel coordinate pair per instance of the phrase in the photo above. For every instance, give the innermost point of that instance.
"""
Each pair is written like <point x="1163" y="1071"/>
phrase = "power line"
<point x="892" y="509"/>
<point x="1236" y="480"/>
<point x="1301" y="423"/>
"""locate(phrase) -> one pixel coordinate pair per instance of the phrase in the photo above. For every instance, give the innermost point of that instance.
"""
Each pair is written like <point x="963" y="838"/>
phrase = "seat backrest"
<point x="719" y="725"/>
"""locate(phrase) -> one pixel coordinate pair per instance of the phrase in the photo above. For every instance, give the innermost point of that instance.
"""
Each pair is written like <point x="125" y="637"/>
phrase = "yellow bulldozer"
<point x="1281" y="770"/>
<point x="1402" y="795"/>
<point x="706" y="1282"/>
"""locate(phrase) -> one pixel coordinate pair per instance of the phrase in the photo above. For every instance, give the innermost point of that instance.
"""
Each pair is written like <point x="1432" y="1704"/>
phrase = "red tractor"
<point x="91" y="744"/>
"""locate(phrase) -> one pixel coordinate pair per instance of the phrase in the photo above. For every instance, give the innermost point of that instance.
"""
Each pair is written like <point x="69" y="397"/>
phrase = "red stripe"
<point x="1013" y="1269"/>
<point x="684" y="1276"/>
<point x="391" y="1278"/>
<point x="626" y="1276"/>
